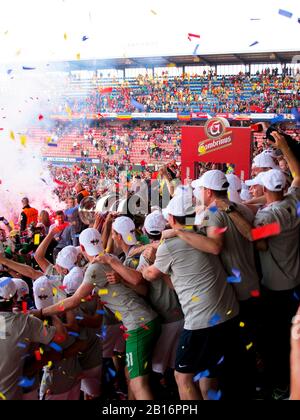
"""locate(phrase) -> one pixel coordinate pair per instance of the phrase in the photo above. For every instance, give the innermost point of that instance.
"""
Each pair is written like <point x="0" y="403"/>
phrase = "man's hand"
<point x="280" y="141"/>
<point x="150" y="254"/>
<point x="103" y="259"/>
<point x="113" y="278"/>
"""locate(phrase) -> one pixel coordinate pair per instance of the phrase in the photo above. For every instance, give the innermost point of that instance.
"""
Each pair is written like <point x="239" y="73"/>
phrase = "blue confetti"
<point x="112" y="372"/>
<point x="22" y="345"/>
<point x="79" y="318"/>
<point x="5" y="282"/>
<point x="56" y="347"/>
<point x="296" y="296"/>
<point x="104" y="331"/>
<point x="28" y="68"/>
<point x="285" y="13"/>
<point x="214" y="395"/>
<point x="236" y="272"/>
<point x="85" y="38"/>
<point x="26" y="382"/>
<point x="9" y="71"/>
<point x="100" y="312"/>
<point x="73" y="334"/>
<point x="213" y="209"/>
<point x="298" y="209"/>
<point x="233" y="280"/>
<point x="215" y="320"/>
<point x="221" y="361"/>
<point x="195" y="50"/>
<point x="201" y="375"/>
<point x="254" y="43"/>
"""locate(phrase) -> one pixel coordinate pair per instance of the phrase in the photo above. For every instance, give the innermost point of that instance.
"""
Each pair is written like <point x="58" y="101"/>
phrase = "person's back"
<point x="20" y="330"/>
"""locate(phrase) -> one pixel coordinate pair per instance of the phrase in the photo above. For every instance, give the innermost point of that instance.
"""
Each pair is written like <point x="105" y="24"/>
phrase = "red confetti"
<point x="125" y="336"/>
<point x="193" y="36"/>
<point x="123" y="328"/>
<point x="255" y="293"/>
<point x="41" y="117"/>
<point x="145" y="327"/>
<point x="24" y="307"/>
<point x="38" y="355"/>
<point x="58" y="338"/>
<point x="62" y="287"/>
<point x="266" y="231"/>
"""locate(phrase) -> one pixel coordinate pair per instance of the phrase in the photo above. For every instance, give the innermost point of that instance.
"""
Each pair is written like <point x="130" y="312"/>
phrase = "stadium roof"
<point x="182" y="60"/>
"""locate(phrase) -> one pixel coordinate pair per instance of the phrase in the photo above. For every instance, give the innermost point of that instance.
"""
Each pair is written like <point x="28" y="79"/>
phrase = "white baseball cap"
<point x="8" y="289"/>
<point x="273" y="180"/>
<point x="43" y="293"/>
<point x="255" y="181"/>
<point x="22" y="289"/>
<point x="180" y="206"/>
<point x="155" y="223"/>
<point x="67" y="257"/>
<point x="235" y="184"/>
<point x="212" y="180"/>
<point x="73" y="280"/>
<point x="91" y="240"/>
<point x="264" y="160"/>
<point x="125" y="227"/>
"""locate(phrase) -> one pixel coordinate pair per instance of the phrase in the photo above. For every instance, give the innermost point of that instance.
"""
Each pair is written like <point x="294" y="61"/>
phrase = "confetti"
<point x="37" y="355"/>
<point x="145" y="365"/>
<point x="126" y="336"/>
<point x="153" y="12"/>
<point x="145" y="327"/>
<point x="103" y="292"/>
<point x="229" y="313"/>
<point x="214" y="395"/>
<point x="22" y="345"/>
<point x="56" y="347"/>
<point x="84" y="38"/>
<point x="266" y="231"/>
<point x="249" y="346"/>
<point x="214" y="209"/>
<point x="233" y="280"/>
<point x="24" y="307"/>
<point x="193" y="36"/>
<point x="9" y="71"/>
<point x="104" y="331"/>
<point x="114" y="294"/>
<point x="65" y="36"/>
<point x="49" y="365"/>
<point x="73" y="334"/>
<point x="28" y="68"/>
<point x="236" y="272"/>
<point x="2" y="396"/>
<point x="221" y="361"/>
<point x="285" y="13"/>
<point x="118" y="316"/>
<point x="215" y="320"/>
<point x="41" y="117"/>
<point x="100" y="312"/>
<point x="112" y="372"/>
<point x="242" y="324"/>
<point x="26" y="382"/>
<point x="296" y="296"/>
<point x="255" y="293"/>
<point x="37" y="238"/>
<point x="123" y="328"/>
<point x="195" y="50"/>
<point x="254" y="43"/>
<point x="201" y="375"/>
<point x="41" y="350"/>
<point x="79" y="318"/>
<point x="195" y="299"/>
<point x="23" y="140"/>
<point x="78" y="56"/>
<point x="129" y="238"/>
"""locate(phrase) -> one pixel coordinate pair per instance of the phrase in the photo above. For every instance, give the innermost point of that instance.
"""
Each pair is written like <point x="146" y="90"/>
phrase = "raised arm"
<point x="23" y="269"/>
<point x="291" y="159"/>
<point x="42" y="249"/>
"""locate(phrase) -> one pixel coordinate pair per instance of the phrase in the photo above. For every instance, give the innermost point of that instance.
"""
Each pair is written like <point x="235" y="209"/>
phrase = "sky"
<point x="51" y="30"/>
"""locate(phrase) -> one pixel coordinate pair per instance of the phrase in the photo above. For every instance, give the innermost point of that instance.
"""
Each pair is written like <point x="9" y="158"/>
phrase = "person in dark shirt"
<point x="81" y="192"/>
<point x="29" y="215"/>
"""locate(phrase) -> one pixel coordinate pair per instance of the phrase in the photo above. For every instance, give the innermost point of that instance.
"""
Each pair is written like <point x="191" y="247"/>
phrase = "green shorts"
<point x="139" y="349"/>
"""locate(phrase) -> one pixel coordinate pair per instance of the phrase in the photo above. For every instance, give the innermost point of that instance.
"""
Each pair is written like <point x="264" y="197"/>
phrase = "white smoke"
<point x="24" y="96"/>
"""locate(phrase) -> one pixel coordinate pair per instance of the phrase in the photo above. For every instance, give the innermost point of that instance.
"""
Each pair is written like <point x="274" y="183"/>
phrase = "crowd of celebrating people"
<point x="265" y="92"/>
<point x="144" y="287"/>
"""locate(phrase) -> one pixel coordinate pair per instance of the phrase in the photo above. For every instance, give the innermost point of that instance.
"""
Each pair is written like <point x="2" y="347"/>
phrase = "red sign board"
<point x="216" y="143"/>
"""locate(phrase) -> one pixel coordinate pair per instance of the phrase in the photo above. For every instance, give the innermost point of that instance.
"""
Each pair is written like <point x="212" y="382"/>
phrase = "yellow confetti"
<point x="195" y="299"/>
<point x="41" y="350"/>
<point x="103" y="292"/>
<point x="78" y="56"/>
<point x="82" y="300"/>
<point x="49" y="365"/>
<point x="2" y="396"/>
<point x="153" y="12"/>
<point x="54" y="291"/>
<point x="142" y="319"/>
<point x="118" y="316"/>
<point x="48" y="139"/>
<point x="294" y="174"/>
<point x="12" y="225"/>
<point x="145" y="365"/>
<point x="12" y="135"/>
<point x="23" y="140"/>
<point x="36" y="240"/>
<point x="242" y="324"/>
<point x="69" y="111"/>
<point x="114" y="294"/>
<point x="101" y="254"/>
<point x="65" y="36"/>
<point x="229" y="313"/>
<point x="45" y="323"/>
<point x="249" y="346"/>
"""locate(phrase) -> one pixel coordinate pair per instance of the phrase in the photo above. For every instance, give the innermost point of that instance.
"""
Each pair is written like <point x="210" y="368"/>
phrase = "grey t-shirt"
<point x="120" y="299"/>
<point x="163" y="299"/>
<point x="237" y="252"/>
<point x="56" y="280"/>
<point x="20" y="331"/>
<point x="281" y="262"/>
<point x="200" y="283"/>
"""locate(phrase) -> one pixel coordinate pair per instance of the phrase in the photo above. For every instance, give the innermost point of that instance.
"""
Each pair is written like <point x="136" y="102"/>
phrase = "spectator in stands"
<point x="29" y="215"/>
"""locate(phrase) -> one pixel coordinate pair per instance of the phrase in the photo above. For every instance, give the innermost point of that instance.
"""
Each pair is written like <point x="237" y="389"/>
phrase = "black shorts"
<point x="205" y="349"/>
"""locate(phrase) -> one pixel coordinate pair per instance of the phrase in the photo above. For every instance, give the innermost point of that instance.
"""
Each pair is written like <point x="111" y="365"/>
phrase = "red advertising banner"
<point x="216" y="143"/>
